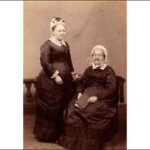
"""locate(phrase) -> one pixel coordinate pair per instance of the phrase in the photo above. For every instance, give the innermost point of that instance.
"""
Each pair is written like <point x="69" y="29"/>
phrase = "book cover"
<point x="83" y="101"/>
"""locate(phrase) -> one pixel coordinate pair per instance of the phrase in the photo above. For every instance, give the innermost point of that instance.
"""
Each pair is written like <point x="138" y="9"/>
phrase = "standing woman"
<point x="54" y="84"/>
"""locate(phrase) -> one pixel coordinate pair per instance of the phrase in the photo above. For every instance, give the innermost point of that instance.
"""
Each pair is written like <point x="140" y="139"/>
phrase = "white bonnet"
<point x="103" y="49"/>
<point x="55" y="21"/>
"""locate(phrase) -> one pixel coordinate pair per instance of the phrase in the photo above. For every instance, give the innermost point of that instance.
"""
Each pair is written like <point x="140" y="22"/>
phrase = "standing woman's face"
<point x="59" y="32"/>
<point x="98" y="57"/>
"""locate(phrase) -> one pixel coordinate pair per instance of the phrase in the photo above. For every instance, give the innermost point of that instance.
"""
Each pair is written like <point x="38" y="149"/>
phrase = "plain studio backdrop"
<point x="88" y="24"/>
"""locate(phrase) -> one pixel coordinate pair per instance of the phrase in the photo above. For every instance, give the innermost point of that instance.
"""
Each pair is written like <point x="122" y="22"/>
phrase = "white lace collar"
<point x="103" y="66"/>
<point x="55" y="41"/>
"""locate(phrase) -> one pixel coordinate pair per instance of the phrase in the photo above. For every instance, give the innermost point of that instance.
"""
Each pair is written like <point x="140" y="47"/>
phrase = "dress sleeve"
<point x="83" y="83"/>
<point x="44" y="59"/>
<point x="109" y="89"/>
<point x="69" y="60"/>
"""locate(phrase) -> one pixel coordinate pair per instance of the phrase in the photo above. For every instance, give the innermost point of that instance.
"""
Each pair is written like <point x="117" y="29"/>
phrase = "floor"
<point x="30" y="142"/>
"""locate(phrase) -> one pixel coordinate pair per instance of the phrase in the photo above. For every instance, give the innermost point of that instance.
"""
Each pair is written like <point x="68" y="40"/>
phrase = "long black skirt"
<point x="90" y="128"/>
<point x="52" y="99"/>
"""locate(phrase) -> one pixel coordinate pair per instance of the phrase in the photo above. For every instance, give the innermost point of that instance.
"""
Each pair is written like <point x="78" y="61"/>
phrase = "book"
<point x="82" y="102"/>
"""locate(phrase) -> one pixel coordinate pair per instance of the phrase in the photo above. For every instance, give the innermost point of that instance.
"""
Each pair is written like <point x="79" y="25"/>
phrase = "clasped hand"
<point x="58" y="80"/>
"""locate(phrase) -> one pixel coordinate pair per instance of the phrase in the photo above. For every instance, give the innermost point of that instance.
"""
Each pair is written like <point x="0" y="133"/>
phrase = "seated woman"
<point x="90" y="114"/>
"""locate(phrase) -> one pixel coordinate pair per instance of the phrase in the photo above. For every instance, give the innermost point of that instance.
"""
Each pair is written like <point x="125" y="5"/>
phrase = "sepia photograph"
<point x="75" y="75"/>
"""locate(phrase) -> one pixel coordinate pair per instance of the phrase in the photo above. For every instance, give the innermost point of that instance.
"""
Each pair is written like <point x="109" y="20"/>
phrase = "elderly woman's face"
<point x="98" y="57"/>
<point x="59" y="32"/>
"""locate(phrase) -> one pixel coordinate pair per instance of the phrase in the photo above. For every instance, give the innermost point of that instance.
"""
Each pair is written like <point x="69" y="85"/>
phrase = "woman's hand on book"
<point x="92" y="99"/>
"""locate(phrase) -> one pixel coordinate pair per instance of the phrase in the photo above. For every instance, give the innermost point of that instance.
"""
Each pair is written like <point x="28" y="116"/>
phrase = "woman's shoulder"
<point x="45" y="45"/>
<point x="66" y="43"/>
<point x="109" y="69"/>
<point x="88" y="69"/>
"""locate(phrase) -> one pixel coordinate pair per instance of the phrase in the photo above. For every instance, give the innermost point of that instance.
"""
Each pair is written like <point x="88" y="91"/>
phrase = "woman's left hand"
<point x="92" y="99"/>
<point x="75" y="76"/>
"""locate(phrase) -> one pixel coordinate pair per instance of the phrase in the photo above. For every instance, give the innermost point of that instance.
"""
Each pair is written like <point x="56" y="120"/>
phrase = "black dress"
<point x="52" y="98"/>
<point x="89" y="128"/>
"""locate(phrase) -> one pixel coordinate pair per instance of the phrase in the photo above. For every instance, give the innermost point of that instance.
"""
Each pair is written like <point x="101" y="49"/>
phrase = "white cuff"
<point x="55" y="74"/>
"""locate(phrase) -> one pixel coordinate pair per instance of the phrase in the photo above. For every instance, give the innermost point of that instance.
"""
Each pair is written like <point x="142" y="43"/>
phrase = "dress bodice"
<point x="54" y="57"/>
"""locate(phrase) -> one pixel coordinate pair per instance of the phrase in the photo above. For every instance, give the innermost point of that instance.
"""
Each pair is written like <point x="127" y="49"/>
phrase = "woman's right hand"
<point x="58" y="80"/>
<point x="79" y="95"/>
